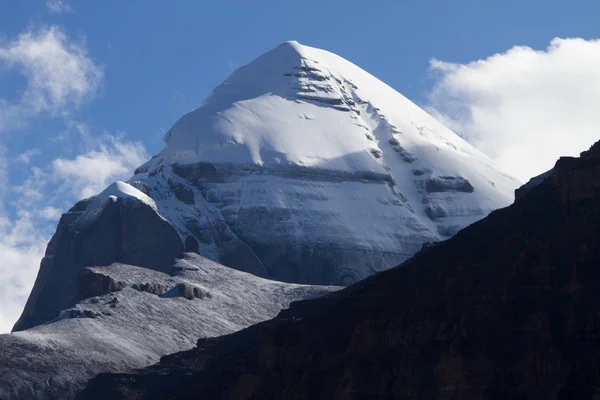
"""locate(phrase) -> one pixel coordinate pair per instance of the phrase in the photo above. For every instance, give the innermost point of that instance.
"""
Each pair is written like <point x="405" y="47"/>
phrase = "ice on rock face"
<point x="304" y="168"/>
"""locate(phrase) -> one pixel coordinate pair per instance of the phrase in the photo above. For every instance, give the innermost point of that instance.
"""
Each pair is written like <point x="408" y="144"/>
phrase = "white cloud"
<point x="50" y="213"/>
<point x="58" y="6"/>
<point x="524" y="108"/>
<point x="26" y="156"/>
<point x="89" y="173"/>
<point x="38" y="202"/>
<point x="60" y="76"/>
<point x="22" y="248"/>
<point x="3" y="172"/>
<point x="31" y="191"/>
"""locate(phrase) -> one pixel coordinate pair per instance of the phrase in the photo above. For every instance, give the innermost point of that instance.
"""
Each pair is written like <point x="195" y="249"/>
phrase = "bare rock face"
<point x="506" y="309"/>
<point x="133" y="316"/>
<point x="188" y="291"/>
<point x="124" y="230"/>
<point x="449" y="184"/>
<point x="533" y="182"/>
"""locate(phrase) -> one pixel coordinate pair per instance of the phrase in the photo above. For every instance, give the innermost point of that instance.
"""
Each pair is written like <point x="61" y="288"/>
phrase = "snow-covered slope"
<point x="141" y="316"/>
<point x="304" y="168"/>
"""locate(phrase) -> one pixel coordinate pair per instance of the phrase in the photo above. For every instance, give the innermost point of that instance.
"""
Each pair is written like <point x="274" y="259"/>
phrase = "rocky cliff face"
<point x="111" y="227"/>
<point x="116" y="291"/>
<point x="508" y="308"/>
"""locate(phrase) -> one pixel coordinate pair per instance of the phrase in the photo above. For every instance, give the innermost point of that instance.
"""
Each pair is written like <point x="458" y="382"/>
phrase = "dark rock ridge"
<point x="202" y="172"/>
<point x="509" y="308"/>
<point x="448" y="183"/>
<point x="120" y="229"/>
<point x="536" y="180"/>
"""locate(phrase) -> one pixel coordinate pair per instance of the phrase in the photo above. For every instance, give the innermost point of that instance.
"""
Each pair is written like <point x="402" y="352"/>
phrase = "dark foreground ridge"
<point x="508" y="308"/>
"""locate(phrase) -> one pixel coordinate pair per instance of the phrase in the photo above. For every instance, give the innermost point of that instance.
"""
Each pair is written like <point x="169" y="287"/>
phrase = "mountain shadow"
<point x="509" y="308"/>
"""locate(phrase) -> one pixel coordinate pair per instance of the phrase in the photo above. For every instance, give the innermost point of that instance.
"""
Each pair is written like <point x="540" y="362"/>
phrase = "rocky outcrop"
<point x="132" y="317"/>
<point x="533" y="182"/>
<point x="576" y="177"/>
<point x="181" y="192"/>
<point x="97" y="232"/>
<point x="187" y="291"/>
<point x="448" y="184"/>
<point x="507" y="308"/>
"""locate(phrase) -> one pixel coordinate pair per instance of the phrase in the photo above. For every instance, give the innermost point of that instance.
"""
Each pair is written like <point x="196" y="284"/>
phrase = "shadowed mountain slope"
<point x="508" y="308"/>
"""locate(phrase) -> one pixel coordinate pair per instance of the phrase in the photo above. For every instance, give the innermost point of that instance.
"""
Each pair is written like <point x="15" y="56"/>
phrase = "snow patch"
<point x="121" y="189"/>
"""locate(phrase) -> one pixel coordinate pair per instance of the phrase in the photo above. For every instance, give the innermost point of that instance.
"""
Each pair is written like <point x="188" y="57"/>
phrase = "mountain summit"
<point x="304" y="168"/>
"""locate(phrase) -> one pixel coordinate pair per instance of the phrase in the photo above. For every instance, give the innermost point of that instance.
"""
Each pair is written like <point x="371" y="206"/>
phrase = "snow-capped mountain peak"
<point x="303" y="106"/>
<point x="307" y="145"/>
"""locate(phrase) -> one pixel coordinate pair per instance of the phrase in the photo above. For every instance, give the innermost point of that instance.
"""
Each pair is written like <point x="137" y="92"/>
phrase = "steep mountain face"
<point x="116" y="291"/>
<point x="304" y="168"/>
<point x="121" y="224"/>
<point x="508" y="308"/>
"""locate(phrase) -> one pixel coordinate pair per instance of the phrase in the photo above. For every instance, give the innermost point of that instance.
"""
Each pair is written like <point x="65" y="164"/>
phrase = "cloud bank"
<point x="59" y="74"/>
<point x="91" y="172"/>
<point x="58" y="6"/>
<point x="524" y="108"/>
<point x="59" y="77"/>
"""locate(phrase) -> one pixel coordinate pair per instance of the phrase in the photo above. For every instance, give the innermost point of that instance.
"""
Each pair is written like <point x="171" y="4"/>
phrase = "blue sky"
<point x="87" y="88"/>
<point x="160" y="58"/>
